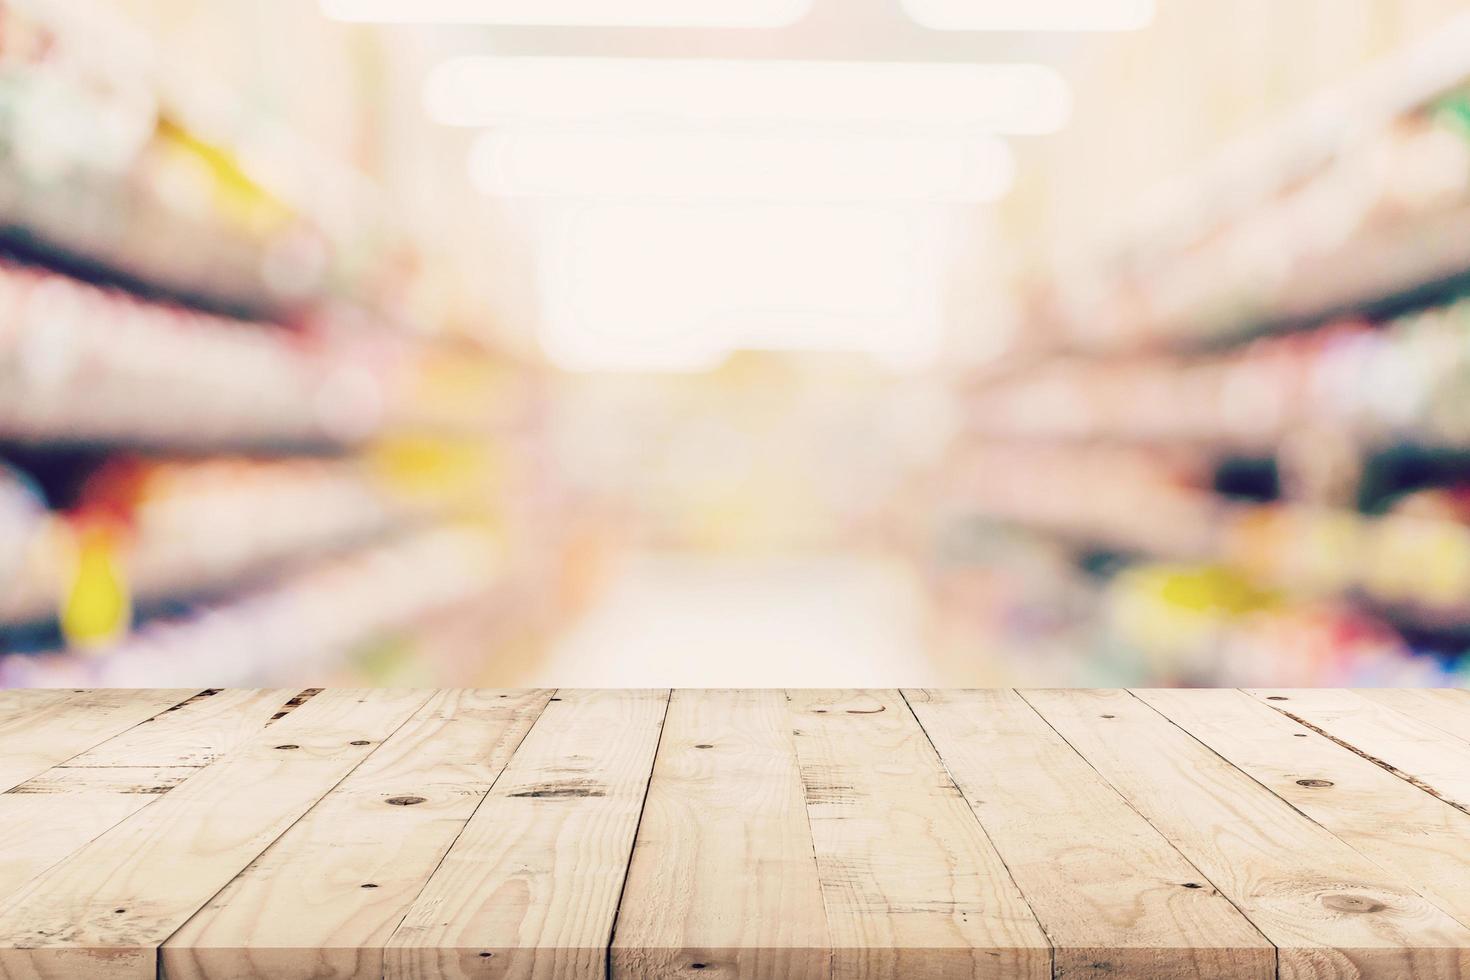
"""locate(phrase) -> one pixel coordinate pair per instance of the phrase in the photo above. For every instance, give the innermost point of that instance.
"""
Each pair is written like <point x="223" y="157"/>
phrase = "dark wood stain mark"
<point x="404" y="800"/>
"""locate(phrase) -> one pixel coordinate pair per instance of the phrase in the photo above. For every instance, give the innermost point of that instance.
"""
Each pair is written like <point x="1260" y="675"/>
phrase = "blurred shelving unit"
<point x="1246" y="426"/>
<point x="230" y="449"/>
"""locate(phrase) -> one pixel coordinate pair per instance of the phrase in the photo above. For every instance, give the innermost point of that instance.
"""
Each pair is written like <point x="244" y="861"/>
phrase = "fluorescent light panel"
<point x="700" y="165"/>
<point x="489" y="91"/>
<point x="1031" y="15"/>
<point x="573" y="13"/>
<point x="660" y="287"/>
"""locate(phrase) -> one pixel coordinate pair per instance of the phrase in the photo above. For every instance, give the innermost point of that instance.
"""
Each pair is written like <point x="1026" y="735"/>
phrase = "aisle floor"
<point x="812" y="621"/>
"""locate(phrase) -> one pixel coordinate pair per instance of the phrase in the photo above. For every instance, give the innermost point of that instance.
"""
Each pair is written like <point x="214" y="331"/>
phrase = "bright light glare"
<point x="661" y="287"/>
<point x="574" y="13"/>
<point x="1031" y="15"/>
<point x="489" y="91"/>
<point x="698" y="164"/>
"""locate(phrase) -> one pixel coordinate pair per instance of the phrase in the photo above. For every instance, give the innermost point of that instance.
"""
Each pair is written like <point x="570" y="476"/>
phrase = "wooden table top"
<point x="773" y="834"/>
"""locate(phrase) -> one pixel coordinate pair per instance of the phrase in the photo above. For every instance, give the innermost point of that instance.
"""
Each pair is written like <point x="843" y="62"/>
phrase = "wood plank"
<point x="54" y="730"/>
<point x="1447" y="709"/>
<point x="723" y="879"/>
<point x="192" y="733"/>
<point x="1408" y="832"/>
<point x="1414" y="748"/>
<point x="531" y="887"/>
<point x="24" y="700"/>
<point x="1115" y="897"/>
<point x="48" y="817"/>
<point x="1330" y="911"/>
<point x="911" y="883"/>
<point x="323" y="899"/>
<point x="103" y="912"/>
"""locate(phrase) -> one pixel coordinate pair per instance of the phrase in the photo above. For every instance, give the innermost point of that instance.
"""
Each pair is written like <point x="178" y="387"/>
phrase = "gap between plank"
<point x="1394" y="874"/>
<point x="1275" y="950"/>
<point x="206" y="692"/>
<point x="607" y="954"/>
<point x="202" y="693"/>
<point x="1388" y="767"/>
<point x="408" y="907"/>
<point x="1303" y="814"/>
<point x="158" y="949"/>
<point x="1051" y="943"/>
<point x="811" y="839"/>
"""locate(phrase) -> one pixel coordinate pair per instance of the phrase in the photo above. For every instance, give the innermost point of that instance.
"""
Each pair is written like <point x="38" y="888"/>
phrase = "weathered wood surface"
<point x="780" y="835"/>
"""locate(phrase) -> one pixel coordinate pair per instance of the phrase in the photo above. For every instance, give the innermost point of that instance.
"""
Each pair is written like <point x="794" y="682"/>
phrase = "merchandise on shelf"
<point x="1407" y="380"/>
<point x="1415" y="557"/>
<point x="82" y="363"/>
<point x="23" y="521"/>
<point x="1381" y="215"/>
<point x="307" y="624"/>
<point x="1204" y="624"/>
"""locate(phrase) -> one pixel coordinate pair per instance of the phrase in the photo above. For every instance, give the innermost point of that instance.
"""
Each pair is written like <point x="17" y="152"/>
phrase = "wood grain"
<point x="1447" y="709"/>
<point x="61" y="727"/>
<point x="323" y="899"/>
<point x="1330" y="911"/>
<point x="911" y="884"/>
<point x="531" y="887"/>
<point x="1410" y="746"/>
<point x="723" y="880"/>
<point x="103" y="912"/>
<point x="194" y="732"/>
<point x="49" y="816"/>
<point x="1114" y="896"/>
<point x="859" y="835"/>
<point x="1405" y="830"/>
<point x="23" y="701"/>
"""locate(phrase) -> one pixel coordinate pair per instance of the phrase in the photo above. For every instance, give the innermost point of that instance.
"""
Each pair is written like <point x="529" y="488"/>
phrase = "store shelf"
<point x="160" y="534"/>
<point x="84" y="365"/>
<point x="306" y="623"/>
<point x="1415" y="567"/>
<point x="1375" y="385"/>
<point x="1354" y="205"/>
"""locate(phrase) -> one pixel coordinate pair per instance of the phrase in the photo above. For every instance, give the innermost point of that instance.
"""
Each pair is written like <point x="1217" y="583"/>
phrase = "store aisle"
<point x="705" y="621"/>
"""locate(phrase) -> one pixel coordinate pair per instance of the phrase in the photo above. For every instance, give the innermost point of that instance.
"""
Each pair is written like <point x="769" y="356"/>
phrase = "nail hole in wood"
<point x="696" y="966"/>
<point x="486" y="956"/>
<point x="119" y="911"/>
<point x="1314" y="783"/>
<point x="404" y="800"/>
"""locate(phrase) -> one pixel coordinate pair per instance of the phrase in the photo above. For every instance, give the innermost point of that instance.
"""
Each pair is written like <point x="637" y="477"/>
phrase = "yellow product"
<point x="1419" y="561"/>
<point x="96" y="606"/>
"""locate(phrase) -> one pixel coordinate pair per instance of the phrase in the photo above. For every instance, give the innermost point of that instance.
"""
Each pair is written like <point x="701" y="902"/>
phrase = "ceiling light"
<point x="1032" y="15"/>
<point x="678" y="287"/>
<point x="701" y="165"/>
<point x="573" y="13"/>
<point x="490" y="91"/>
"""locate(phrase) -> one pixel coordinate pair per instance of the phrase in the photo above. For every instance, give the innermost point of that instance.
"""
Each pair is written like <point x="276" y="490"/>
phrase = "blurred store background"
<point x="695" y="342"/>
